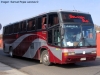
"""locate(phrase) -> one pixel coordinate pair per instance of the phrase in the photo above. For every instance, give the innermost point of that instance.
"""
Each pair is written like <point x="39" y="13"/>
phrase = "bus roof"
<point x="75" y="11"/>
<point x="58" y="11"/>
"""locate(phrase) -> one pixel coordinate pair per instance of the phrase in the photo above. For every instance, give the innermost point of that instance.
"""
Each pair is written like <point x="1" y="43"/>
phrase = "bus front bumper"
<point x="78" y="58"/>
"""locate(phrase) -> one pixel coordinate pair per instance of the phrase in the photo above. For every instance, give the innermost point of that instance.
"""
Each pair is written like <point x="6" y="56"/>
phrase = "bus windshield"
<point x="79" y="35"/>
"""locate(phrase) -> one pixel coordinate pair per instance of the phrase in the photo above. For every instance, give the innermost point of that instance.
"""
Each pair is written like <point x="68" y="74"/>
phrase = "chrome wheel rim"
<point x="45" y="58"/>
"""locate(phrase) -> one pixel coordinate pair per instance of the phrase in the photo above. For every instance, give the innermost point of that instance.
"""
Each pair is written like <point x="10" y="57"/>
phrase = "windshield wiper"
<point x="82" y="39"/>
<point x="87" y="42"/>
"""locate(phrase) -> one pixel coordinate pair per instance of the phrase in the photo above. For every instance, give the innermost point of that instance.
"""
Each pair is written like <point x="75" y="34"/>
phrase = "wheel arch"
<point x="42" y="49"/>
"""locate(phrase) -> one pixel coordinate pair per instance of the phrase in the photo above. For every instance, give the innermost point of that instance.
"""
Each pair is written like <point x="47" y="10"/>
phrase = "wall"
<point x="1" y="43"/>
<point x="98" y="44"/>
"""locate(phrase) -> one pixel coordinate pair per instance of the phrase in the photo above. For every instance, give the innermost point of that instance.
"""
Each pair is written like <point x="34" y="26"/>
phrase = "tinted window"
<point x="23" y="26"/>
<point x="6" y="30"/>
<point x="39" y="23"/>
<point x="16" y="27"/>
<point x="10" y="29"/>
<point x="42" y="22"/>
<point x="53" y="19"/>
<point x="54" y="36"/>
<point x="57" y="36"/>
<point x="31" y="24"/>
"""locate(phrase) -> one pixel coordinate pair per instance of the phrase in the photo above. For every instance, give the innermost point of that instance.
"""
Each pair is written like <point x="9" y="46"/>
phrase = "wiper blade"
<point x="82" y="40"/>
<point x="79" y="42"/>
<point x="87" y="42"/>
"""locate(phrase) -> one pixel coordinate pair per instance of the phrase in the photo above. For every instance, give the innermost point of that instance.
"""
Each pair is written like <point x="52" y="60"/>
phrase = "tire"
<point x="4" y="49"/>
<point x="11" y="52"/>
<point x="45" y="58"/>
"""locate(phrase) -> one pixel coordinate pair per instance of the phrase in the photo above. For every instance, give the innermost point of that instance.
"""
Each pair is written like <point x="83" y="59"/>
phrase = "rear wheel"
<point x="4" y="49"/>
<point x="11" y="52"/>
<point x="45" y="58"/>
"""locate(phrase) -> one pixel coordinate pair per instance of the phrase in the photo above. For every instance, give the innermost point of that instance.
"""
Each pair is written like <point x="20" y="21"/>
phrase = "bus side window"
<point x="39" y="23"/>
<point x="23" y="26"/>
<point x="15" y="28"/>
<point x="19" y="28"/>
<point x="6" y="30"/>
<point x="44" y="24"/>
<point x="53" y="19"/>
<point x="56" y="36"/>
<point x="31" y="25"/>
<point x="64" y="17"/>
<point x="10" y="29"/>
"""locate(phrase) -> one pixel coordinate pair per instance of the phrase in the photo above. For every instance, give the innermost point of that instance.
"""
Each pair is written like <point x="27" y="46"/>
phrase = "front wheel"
<point x="45" y="58"/>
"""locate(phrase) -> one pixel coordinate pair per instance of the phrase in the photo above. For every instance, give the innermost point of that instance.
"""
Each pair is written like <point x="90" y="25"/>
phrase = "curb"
<point x="7" y="70"/>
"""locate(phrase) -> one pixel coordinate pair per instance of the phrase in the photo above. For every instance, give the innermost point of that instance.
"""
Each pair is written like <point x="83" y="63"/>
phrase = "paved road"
<point x="33" y="67"/>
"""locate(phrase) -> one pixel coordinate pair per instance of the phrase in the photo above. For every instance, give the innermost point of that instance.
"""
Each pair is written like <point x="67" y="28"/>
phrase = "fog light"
<point x="65" y="54"/>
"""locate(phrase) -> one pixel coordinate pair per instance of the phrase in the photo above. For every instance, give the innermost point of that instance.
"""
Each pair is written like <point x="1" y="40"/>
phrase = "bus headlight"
<point x="65" y="52"/>
<point x="93" y="52"/>
<point x="71" y="53"/>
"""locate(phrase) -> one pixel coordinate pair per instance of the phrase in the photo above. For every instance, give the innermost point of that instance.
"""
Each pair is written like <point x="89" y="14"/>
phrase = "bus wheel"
<point x="11" y="52"/>
<point x="45" y="58"/>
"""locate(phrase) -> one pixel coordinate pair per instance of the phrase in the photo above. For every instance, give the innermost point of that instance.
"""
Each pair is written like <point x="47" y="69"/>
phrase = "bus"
<point x="61" y="37"/>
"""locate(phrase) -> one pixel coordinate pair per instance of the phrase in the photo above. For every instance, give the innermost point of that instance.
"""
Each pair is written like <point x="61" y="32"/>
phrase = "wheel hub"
<point x="45" y="58"/>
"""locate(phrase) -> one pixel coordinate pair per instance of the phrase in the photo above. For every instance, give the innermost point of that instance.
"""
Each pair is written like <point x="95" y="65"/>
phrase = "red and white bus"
<point x="54" y="37"/>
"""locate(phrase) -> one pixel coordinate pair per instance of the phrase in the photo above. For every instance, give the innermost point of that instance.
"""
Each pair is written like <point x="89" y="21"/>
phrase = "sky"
<point x="12" y="12"/>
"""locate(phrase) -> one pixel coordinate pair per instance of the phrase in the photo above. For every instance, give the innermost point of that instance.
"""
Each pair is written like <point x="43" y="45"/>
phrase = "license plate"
<point x="82" y="59"/>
